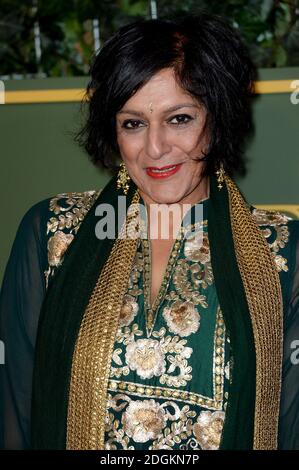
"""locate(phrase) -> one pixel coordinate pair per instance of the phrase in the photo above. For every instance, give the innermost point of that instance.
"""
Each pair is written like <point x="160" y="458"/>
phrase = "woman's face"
<point x="163" y="126"/>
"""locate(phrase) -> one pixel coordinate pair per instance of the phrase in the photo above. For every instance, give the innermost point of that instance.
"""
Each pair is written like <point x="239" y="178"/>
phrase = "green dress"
<point x="171" y="363"/>
<point x="168" y="381"/>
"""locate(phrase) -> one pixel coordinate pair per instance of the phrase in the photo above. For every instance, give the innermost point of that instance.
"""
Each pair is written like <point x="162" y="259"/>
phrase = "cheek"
<point x="129" y="147"/>
<point x="189" y="137"/>
<point x="191" y="146"/>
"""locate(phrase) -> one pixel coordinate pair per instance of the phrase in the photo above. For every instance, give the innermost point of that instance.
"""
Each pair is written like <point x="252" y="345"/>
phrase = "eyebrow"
<point x="168" y="110"/>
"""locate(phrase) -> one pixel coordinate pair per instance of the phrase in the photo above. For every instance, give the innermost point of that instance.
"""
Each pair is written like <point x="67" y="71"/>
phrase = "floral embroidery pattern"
<point x="143" y="420"/>
<point x="274" y="227"/>
<point x="146" y="357"/>
<point x="182" y="318"/>
<point x="197" y="247"/>
<point x="57" y="245"/>
<point x="71" y="208"/>
<point x="164" y="424"/>
<point x="128" y="310"/>
<point x="193" y="274"/>
<point x="69" y="211"/>
<point x="208" y="429"/>
<point x="166" y="357"/>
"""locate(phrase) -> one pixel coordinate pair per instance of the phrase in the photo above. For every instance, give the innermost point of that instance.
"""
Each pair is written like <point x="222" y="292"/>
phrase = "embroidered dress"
<point x="169" y="376"/>
<point x="168" y="381"/>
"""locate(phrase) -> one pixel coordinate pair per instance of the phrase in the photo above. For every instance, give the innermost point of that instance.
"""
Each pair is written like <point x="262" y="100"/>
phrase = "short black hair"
<point x="210" y="61"/>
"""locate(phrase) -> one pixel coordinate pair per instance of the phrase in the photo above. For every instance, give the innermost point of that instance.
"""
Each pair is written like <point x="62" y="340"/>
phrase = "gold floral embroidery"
<point x="143" y="420"/>
<point x="274" y="224"/>
<point x="281" y="262"/>
<point x="182" y="318"/>
<point x="136" y="272"/>
<point x="118" y="371"/>
<point x="145" y="410"/>
<point x="208" y="429"/>
<point x="266" y="217"/>
<point x="137" y="227"/>
<point x="189" y="289"/>
<point x="128" y="310"/>
<point x="57" y="245"/>
<point x="171" y="355"/>
<point x="166" y="357"/>
<point x="146" y="357"/>
<point x="166" y="424"/>
<point x="193" y="273"/>
<point x="179" y="427"/>
<point x="197" y="247"/>
<point x="69" y="209"/>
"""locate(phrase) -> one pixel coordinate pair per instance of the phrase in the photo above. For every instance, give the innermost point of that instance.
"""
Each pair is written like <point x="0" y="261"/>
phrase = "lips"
<point x="160" y="167"/>
<point x="162" y="172"/>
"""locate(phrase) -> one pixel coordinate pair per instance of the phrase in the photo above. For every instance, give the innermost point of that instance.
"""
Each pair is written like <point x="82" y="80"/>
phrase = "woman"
<point x="183" y="342"/>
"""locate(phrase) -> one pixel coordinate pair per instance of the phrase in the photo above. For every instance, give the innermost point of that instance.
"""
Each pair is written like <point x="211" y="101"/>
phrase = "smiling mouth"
<point x="162" y="172"/>
<point x="156" y="169"/>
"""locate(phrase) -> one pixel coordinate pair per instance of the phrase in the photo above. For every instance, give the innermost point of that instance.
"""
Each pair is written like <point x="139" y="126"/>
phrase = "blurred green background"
<point x="48" y="45"/>
<point x="55" y="38"/>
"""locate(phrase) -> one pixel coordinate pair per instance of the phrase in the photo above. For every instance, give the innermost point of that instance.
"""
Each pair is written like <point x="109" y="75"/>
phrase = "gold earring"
<point x="220" y="176"/>
<point x="123" y="178"/>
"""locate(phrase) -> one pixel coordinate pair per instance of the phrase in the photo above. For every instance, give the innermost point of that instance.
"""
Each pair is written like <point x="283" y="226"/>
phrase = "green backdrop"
<point x="39" y="158"/>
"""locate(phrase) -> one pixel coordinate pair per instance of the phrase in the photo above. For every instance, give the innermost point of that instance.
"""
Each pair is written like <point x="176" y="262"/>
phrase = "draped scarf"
<point x="80" y="314"/>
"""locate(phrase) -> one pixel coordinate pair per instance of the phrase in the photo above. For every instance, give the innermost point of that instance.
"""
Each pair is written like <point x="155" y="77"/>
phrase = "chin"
<point x="164" y="197"/>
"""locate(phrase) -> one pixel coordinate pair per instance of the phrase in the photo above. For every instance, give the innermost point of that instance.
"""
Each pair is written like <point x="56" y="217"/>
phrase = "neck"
<point x="164" y="220"/>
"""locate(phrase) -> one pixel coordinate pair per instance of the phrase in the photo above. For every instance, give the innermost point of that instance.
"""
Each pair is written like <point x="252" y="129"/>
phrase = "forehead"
<point x="162" y="90"/>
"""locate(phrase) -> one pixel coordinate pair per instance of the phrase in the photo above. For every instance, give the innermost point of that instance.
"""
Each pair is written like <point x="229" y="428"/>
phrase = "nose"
<point x="156" y="144"/>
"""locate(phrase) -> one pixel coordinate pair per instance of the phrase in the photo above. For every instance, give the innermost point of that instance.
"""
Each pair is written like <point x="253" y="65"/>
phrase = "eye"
<point x="182" y="119"/>
<point x="130" y="124"/>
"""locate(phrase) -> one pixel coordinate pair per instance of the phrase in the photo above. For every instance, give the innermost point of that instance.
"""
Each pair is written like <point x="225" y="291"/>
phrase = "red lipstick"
<point x="162" y="172"/>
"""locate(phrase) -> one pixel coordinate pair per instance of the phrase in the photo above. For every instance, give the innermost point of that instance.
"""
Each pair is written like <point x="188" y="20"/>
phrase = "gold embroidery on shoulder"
<point x="57" y="245"/>
<point x="71" y="208"/>
<point x="274" y="224"/>
<point x="69" y="211"/>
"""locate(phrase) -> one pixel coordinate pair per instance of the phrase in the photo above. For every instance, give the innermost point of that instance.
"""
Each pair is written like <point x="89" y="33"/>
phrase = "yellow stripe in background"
<point x="44" y="96"/>
<point x="76" y="94"/>
<point x="276" y="86"/>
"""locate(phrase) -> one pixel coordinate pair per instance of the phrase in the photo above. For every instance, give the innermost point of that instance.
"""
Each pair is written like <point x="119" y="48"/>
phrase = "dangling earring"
<point x="123" y="178"/>
<point x="220" y="176"/>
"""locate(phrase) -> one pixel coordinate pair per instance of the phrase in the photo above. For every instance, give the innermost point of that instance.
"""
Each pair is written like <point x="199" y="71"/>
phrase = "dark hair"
<point x="210" y="62"/>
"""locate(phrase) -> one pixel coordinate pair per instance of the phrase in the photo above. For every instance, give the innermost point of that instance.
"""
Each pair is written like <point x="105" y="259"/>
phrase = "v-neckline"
<point x="151" y="309"/>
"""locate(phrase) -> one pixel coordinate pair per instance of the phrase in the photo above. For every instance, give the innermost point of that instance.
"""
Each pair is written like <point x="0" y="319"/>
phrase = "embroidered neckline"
<point x="151" y="309"/>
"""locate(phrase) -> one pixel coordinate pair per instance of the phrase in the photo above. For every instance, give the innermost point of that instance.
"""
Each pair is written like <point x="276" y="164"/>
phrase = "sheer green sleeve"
<point x="289" y="410"/>
<point x="22" y="293"/>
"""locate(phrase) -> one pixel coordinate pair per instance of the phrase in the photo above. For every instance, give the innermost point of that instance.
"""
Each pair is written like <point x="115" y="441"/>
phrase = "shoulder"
<point x="275" y="219"/>
<point x="48" y="227"/>
<point x="269" y="217"/>
<point x="62" y="211"/>
<point x="66" y="211"/>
